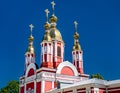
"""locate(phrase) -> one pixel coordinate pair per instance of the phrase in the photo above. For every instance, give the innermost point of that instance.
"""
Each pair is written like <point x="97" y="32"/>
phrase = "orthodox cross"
<point x="31" y="28"/>
<point x="53" y="4"/>
<point x="47" y="12"/>
<point x="75" y="23"/>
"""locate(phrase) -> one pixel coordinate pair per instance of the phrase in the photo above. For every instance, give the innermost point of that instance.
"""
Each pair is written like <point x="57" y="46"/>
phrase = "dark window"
<point x="58" y="51"/>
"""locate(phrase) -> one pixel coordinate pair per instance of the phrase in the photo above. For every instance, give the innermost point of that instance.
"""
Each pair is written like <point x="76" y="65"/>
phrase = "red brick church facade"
<point x="55" y="75"/>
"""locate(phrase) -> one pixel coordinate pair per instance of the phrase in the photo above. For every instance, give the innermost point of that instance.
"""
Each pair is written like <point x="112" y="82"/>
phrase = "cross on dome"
<point x="31" y="28"/>
<point x="75" y="23"/>
<point x="47" y="12"/>
<point x="53" y="4"/>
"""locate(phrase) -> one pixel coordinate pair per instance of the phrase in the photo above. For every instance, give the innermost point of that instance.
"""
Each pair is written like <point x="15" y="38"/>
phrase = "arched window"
<point x="58" y="51"/>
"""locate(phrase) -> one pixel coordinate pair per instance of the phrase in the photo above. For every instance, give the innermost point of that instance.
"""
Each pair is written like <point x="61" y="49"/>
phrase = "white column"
<point x="43" y="86"/>
<point x="43" y="52"/>
<point x="75" y="60"/>
<point x="55" y="51"/>
<point x="62" y="51"/>
<point x="51" y="53"/>
<point x="73" y="57"/>
<point x="47" y="52"/>
<point x="79" y="55"/>
<point x="24" y="87"/>
<point x="52" y="85"/>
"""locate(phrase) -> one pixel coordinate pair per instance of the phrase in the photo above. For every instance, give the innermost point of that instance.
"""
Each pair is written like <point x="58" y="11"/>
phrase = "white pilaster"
<point x="79" y="58"/>
<point x="62" y="52"/>
<point x="25" y="88"/>
<point x="47" y="52"/>
<point x="43" y="86"/>
<point x="52" y="85"/>
<point x="51" y="52"/>
<point x="75" y="60"/>
<point x="55" y="51"/>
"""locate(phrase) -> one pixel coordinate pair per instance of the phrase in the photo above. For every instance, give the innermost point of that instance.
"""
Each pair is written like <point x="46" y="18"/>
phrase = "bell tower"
<point x="46" y="46"/>
<point x="30" y="54"/>
<point x="77" y="53"/>
<point x="57" y="42"/>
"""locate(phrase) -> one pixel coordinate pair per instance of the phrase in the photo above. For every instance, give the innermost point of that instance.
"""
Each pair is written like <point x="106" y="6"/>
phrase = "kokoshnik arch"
<point x="55" y="75"/>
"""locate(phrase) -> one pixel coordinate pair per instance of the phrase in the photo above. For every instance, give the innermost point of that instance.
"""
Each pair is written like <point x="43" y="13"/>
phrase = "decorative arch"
<point x="30" y="70"/>
<point x="62" y="67"/>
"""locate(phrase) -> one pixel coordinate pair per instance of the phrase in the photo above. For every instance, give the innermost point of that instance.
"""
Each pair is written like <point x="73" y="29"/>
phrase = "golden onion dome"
<point x="76" y="42"/>
<point x="53" y="19"/>
<point x="47" y="37"/>
<point x="76" y="35"/>
<point x="47" y="26"/>
<point x="77" y="47"/>
<point x="55" y="34"/>
<point x="30" y="50"/>
<point x="31" y="38"/>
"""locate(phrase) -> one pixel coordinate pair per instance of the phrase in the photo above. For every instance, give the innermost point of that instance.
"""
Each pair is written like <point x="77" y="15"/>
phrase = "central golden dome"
<point x="55" y="34"/>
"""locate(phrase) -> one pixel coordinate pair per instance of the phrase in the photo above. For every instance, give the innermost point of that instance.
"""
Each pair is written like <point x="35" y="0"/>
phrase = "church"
<point x="55" y="75"/>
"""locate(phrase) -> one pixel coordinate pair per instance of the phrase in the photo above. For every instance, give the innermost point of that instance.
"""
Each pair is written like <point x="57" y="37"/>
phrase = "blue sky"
<point x="99" y="29"/>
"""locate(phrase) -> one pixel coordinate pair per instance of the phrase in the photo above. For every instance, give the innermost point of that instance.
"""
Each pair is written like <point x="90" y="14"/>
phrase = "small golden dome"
<point x="53" y="19"/>
<point x="47" y="25"/>
<point x="76" y="35"/>
<point x="30" y="50"/>
<point x="77" y="46"/>
<point x="76" y="42"/>
<point x="55" y="34"/>
<point x="47" y="37"/>
<point x="31" y="38"/>
<point x="30" y="47"/>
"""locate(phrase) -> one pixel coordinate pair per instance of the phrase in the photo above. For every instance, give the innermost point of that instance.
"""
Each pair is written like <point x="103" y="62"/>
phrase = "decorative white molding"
<point x="32" y="65"/>
<point x="31" y="78"/>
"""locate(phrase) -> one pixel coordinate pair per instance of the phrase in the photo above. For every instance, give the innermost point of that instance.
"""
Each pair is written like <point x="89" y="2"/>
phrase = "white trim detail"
<point x="66" y="63"/>
<point x="43" y="86"/>
<point x="32" y="65"/>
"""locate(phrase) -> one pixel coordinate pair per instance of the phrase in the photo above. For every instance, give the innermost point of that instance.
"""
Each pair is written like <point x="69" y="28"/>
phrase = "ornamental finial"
<point x="47" y="12"/>
<point x="31" y="28"/>
<point x="53" y="4"/>
<point x="75" y="23"/>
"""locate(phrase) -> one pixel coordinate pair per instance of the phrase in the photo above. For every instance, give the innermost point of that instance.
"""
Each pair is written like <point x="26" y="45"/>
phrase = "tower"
<point x="52" y="43"/>
<point x="46" y="46"/>
<point x="77" y="53"/>
<point x="58" y="44"/>
<point x="30" y="53"/>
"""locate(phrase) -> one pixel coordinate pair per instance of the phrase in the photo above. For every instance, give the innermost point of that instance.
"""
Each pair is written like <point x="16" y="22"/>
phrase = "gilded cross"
<point x="31" y="28"/>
